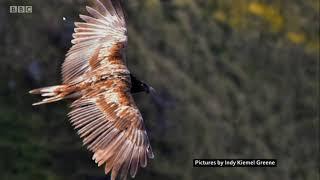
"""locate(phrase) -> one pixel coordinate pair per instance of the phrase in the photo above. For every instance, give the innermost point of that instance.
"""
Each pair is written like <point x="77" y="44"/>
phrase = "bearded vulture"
<point x="97" y="80"/>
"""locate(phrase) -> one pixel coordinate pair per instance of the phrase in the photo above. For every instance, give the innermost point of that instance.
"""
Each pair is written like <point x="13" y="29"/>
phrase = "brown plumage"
<point x="96" y="76"/>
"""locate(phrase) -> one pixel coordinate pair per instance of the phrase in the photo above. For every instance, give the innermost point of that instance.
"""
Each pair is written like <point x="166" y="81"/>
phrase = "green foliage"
<point x="237" y="79"/>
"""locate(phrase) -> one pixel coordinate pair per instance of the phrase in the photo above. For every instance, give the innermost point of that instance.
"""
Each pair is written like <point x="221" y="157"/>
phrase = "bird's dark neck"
<point x="137" y="86"/>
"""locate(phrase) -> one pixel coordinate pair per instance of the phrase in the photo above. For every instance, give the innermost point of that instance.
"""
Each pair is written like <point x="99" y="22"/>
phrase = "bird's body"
<point x="96" y="77"/>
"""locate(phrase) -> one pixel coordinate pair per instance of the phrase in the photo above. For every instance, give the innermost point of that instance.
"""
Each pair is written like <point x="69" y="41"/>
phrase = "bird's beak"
<point x="152" y="90"/>
<point x="149" y="89"/>
<point x="153" y="93"/>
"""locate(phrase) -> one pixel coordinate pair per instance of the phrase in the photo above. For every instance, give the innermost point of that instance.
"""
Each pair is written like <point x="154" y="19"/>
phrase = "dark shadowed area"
<point x="236" y="79"/>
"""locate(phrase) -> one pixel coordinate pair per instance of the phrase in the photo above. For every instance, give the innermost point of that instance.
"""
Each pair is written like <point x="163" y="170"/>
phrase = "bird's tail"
<point x="52" y="93"/>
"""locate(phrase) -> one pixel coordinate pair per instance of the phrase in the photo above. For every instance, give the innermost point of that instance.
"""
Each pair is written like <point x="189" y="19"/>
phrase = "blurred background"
<point x="237" y="79"/>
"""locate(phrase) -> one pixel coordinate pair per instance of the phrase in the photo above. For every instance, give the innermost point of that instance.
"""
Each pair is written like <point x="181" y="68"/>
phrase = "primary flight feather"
<point x="96" y="77"/>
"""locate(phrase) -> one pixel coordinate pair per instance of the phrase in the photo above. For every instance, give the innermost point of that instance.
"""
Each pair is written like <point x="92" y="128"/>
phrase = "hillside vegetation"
<point x="236" y="79"/>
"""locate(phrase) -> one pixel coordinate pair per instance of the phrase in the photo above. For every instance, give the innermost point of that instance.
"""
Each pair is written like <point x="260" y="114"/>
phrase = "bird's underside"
<point x="96" y="77"/>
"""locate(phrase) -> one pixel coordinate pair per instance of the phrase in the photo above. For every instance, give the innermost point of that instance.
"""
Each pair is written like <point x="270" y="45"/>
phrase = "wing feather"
<point x="112" y="127"/>
<point x="135" y="162"/>
<point x="102" y="28"/>
<point x="94" y="13"/>
<point x="102" y="9"/>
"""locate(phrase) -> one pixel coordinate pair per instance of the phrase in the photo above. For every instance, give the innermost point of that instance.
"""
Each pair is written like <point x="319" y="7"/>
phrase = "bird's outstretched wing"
<point x="101" y="31"/>
<point x="105" y="115"/>
<point x="111" y="126"/>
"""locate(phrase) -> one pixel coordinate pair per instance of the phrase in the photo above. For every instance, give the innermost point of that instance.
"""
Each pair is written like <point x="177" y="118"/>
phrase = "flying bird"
<point x="96" y="78"/>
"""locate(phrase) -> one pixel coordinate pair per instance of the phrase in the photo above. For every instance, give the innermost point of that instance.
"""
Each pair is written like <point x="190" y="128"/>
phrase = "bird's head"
<point x="140" y="86"/>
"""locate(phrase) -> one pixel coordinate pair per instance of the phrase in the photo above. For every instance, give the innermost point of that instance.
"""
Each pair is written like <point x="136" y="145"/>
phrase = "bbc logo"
<point x="20" y="9"/>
